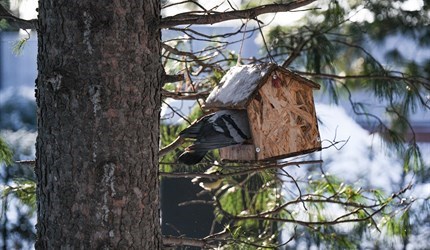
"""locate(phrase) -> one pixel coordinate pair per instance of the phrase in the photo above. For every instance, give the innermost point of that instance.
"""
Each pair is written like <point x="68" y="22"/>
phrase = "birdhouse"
<point x="280" y="108"/>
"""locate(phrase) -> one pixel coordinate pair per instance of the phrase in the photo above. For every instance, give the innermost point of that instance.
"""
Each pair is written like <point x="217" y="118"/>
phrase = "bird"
<point x="216" y="130"/>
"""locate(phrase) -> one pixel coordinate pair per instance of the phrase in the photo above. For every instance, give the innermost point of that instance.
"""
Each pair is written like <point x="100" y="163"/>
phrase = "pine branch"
<point x="345" y="218"/>
<point x="295" y="53"/>
<point x="424" y="82"/>
<point x="205" y="17"/>
<point x="17" y="22"/>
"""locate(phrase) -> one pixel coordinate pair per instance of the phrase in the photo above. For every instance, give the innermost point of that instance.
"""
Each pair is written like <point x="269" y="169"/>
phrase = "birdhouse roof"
<point x="241" y="82"/>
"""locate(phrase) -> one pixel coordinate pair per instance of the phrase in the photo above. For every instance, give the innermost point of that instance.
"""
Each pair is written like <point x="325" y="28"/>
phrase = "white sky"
<point x="27" y="10"/>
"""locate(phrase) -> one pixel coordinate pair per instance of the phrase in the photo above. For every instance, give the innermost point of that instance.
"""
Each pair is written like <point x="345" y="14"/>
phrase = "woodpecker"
<point x="213" y="131"/>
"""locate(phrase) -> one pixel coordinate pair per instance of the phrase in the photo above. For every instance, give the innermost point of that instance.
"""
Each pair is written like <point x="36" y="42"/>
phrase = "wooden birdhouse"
<point x="280" y="109"/>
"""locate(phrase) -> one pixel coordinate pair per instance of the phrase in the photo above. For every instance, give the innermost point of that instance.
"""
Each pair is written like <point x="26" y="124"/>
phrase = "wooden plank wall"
<point x="245" y="152"/>
<point x="282" y="119"/>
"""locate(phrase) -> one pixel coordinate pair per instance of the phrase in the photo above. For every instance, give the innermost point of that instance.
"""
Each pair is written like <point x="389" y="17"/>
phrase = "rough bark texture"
<point x="98" y="108"/>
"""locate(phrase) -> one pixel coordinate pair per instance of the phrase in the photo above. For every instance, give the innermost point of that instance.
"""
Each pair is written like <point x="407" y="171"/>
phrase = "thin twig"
<point x="176" y="112"/>
<point x="297" y="186"/>
<point x="296" y="52"/>
<point x="264" y="42"/>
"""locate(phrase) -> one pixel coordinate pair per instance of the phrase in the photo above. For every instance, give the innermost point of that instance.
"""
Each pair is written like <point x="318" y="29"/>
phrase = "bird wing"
<point x="212" y="142"/>
<point x="222" y="129"/>
<point x="194" y="129"/>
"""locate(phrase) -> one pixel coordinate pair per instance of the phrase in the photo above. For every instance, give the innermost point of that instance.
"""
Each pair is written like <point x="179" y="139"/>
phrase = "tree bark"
<point x="98" y="99"/>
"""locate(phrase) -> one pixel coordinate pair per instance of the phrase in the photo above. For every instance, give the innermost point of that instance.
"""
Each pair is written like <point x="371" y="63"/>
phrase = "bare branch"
<point x="190" y="31"/>
<point x="195" y="202"/>
<point x="172" y="146"/>
<point x="333" y="76"/>
<point x="235" y="173"/>
<point x="388" y="76"/>
<point x="184" y="2"/>
<point x="339" y="220"/>
<point x="204" y="243"/>
<point x="172" y="78"/>
<point x="182" y="241"/>
<point x="192" y="56"/>
<point x="17" y="22"/>
<point x="216" y="17"/>
<point x="26" y="162"/>
<point x="297" y="186"/>
<point x="176" y="112"/>
<point x="295" y="53"/>
<point x="264" y="42"/>
<point x="185" y="95"/>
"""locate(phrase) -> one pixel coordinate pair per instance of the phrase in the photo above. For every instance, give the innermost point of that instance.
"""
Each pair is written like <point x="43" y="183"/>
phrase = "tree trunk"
<point x="98" y="99"/>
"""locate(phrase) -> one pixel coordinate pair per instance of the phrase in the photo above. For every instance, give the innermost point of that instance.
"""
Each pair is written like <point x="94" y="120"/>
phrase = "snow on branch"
<point x="185" y="95"/>
<point x="205" y="17"/>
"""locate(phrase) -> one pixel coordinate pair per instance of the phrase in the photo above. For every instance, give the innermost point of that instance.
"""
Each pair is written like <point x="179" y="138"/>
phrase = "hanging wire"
<point x="264" y="41"/>
<point x="239" y="57"/>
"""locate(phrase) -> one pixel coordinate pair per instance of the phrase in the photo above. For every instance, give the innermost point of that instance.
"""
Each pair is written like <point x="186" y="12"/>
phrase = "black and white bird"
<point x="213" y="131"/>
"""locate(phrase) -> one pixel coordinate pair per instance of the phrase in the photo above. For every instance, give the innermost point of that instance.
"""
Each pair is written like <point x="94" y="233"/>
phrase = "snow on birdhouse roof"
<point x="240" y="83"/>
<point x="237" y="85"/>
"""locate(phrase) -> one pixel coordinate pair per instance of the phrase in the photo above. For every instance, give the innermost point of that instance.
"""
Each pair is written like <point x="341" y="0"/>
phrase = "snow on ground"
<point x="363" y="157"/>
<point x="364" y="161"/>
<point x="17" y="108"/>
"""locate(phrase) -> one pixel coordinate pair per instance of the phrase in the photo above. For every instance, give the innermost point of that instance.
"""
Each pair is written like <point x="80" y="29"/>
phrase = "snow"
<point x="422" y="191"/>
<point x="22" y="142"/>
<point x="237" y="85"/>
<point x="363" y="158"/>
<point x="409" y="5"/>
<point x="17" y="108"/>
<point x="361" y="15"/>
<point x="27" y="9"/>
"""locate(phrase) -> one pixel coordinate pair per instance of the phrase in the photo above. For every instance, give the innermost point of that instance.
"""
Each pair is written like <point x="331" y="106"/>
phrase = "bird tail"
<point x="191" y="157"/>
